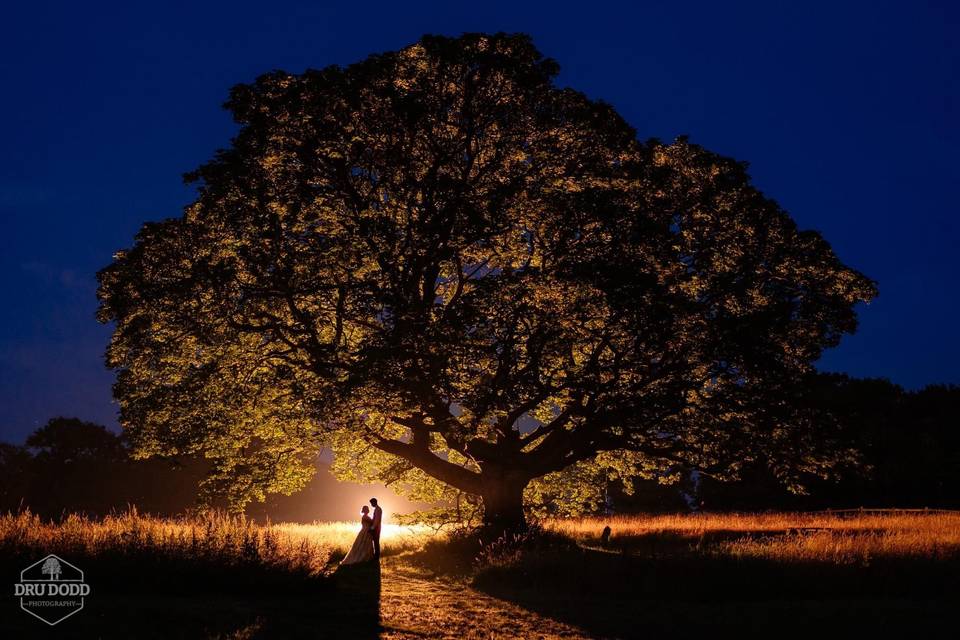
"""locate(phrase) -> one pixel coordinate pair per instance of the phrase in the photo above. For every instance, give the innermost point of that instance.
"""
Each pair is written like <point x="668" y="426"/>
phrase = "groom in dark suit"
<point x="375" y="528"/>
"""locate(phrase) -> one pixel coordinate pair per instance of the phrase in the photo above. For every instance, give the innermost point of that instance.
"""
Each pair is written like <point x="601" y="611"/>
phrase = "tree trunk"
<point x="502" y="497"/>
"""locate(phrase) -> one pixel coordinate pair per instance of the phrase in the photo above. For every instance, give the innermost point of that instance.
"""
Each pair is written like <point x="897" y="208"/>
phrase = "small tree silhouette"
<point x="52" y="566"/>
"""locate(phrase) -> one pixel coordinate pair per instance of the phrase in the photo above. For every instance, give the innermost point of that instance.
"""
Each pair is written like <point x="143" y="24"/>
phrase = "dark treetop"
<point x="434" y="247"/>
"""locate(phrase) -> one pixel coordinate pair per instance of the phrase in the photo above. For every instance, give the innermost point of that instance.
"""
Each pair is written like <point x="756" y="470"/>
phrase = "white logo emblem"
<point x="51" y="589"/>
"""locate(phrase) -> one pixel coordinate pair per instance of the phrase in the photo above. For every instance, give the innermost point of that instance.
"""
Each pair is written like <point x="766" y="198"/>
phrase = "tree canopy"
<point x="446" y="267"/>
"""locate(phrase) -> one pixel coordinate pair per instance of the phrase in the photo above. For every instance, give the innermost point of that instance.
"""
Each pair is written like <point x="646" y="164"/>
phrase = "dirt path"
<point x="416" y="604"/>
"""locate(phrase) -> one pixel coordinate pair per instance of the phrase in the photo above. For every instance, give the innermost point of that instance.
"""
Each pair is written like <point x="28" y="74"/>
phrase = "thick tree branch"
<point x="431" y="464"/>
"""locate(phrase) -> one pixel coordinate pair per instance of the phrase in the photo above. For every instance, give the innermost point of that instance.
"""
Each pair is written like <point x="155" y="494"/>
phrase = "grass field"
<point x="849" y="537"/>
<point x="222" y="577"/>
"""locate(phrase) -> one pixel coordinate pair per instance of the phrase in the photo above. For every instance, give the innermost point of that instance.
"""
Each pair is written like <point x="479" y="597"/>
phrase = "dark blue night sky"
<point x="846" y="111"/>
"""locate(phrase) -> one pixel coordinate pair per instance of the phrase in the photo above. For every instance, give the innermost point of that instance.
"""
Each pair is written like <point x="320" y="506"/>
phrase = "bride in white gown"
<point x="362" y="549"/>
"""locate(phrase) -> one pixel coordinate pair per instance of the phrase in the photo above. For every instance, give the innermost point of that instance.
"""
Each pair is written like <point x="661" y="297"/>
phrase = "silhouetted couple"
<point x="366" y="547"/>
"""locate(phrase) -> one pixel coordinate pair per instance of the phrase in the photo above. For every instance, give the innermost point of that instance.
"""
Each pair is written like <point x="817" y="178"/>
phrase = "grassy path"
<point x="416" y="604"/>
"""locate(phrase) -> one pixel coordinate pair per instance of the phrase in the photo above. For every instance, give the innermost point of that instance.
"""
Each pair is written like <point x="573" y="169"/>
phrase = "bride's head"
<point x="364" y="509"/>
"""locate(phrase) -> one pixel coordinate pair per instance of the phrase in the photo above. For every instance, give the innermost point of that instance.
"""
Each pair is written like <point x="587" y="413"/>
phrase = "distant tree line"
<point x="907" y="444"/>
<point x="72" y="466"/>
<point x="905" y="453"/>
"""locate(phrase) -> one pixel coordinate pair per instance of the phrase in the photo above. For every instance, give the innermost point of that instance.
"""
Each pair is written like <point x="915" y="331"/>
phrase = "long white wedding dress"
<point x="362" y="549"/>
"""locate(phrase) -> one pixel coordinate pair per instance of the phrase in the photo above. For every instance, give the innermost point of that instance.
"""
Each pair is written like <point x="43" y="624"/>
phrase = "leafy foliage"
<point x="438" y="257"/>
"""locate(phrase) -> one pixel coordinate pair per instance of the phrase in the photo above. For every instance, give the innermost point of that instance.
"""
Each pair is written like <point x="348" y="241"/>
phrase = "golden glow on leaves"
<point x="437" y="247"/>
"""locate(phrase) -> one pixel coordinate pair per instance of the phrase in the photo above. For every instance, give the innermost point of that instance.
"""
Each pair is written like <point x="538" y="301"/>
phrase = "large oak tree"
<point x="439" y="254"/>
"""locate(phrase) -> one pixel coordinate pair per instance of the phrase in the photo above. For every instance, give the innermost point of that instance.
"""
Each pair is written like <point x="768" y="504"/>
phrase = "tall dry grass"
<point x="307" y="548"/>
<point x="338" y="536"/>
<point x="217" y="574"/>
<point x="784" y="537"/>
<point x="312" y="549"/>
<point x="212" y="539"/>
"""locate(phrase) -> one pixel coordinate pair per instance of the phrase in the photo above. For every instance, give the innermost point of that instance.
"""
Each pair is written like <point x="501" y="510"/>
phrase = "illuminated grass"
<point x="785" y="537"/>
<point x="217" y="576"/>
<point x="311" y="547"/>
<point x="299" y="547"/>
<point x="337" y="537"/>
<point x="214" y="539"/>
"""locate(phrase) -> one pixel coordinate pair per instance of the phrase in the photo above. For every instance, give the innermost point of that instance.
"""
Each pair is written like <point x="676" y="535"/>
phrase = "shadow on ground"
<point x="627" y="596"/>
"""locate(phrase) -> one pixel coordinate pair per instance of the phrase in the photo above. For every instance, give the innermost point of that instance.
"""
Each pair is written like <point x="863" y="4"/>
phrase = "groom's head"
<point x="373" y="501"/>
